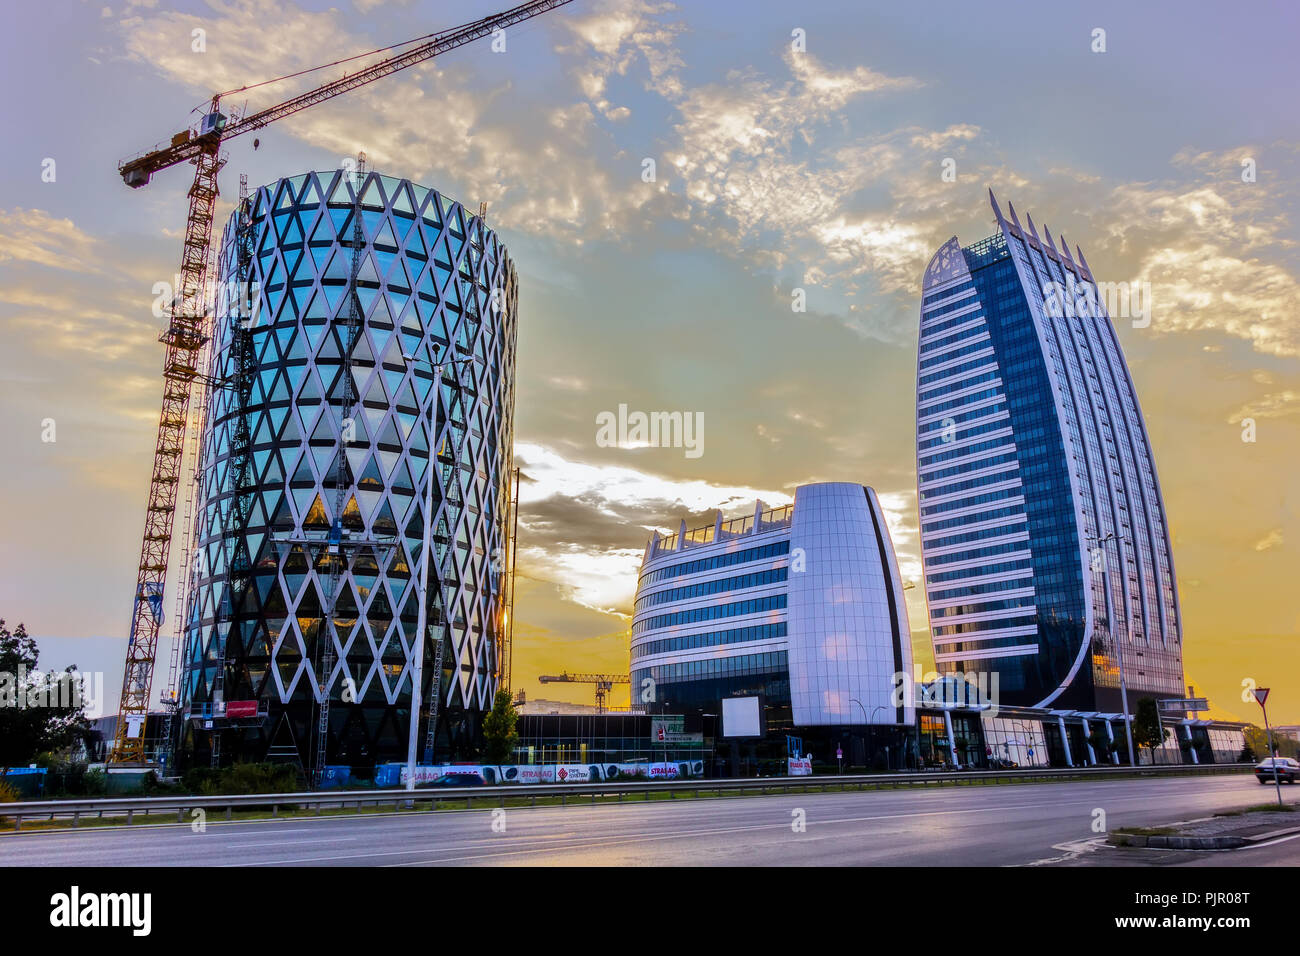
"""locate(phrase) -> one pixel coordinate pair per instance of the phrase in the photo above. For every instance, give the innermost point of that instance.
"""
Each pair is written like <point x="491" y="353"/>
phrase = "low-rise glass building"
<point x="800" y="606"/>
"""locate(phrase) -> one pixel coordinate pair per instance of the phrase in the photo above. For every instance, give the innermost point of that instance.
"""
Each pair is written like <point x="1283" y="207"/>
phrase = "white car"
<point x="1287" y="770"/>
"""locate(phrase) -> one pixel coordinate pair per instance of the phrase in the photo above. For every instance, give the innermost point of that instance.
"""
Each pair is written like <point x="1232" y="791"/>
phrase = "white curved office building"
<point x="801" y="605"/>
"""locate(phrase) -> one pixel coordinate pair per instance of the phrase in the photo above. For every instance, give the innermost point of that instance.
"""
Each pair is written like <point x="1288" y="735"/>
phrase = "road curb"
<point x="1226" y="842"/>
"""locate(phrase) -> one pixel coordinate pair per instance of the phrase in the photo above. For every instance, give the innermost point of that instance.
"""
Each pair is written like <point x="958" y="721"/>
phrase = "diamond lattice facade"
<point x="280" y="411"/>
<point x="1043" y="531"/>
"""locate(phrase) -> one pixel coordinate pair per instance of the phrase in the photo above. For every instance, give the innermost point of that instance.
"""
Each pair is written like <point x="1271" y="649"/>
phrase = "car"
<point x="1287" y="769"/>
<point x="458" y="780"/>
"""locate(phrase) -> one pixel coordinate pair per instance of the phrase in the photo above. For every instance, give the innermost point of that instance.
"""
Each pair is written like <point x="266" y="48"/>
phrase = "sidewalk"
<point x="1225" y="831"/>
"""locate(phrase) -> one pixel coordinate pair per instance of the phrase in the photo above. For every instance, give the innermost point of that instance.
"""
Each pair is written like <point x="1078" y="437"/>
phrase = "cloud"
<point x="613" y="37"/>
<point x="1217" y="251"/>
<point x="547" y="171"/>
<point x="584" y="527"/>
<point x="1271" y="540"/>
<point x="1274" y="405"/>
<point x="937" y="140"/>
<point x="741" y="144"/>
<point x="34" y="236"/>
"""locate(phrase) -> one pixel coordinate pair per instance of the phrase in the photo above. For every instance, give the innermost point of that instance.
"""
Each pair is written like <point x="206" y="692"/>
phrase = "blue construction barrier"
<point x="28" y="781"/>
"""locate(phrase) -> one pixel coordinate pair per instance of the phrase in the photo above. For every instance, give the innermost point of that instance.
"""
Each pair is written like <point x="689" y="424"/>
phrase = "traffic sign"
<point x="1261" y="695"/>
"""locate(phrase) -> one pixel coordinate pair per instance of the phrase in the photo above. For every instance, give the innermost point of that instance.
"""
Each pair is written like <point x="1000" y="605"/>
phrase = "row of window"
<point x="712" y="613"/>
<point x="966" y="468"/>
<point x="949" y="434"/>
<point x="1005" y="473"/>
<point x="983" y="534"/>
<point x="969" y="502"/>
<point x="935" y="357"/>
<point x="947" y="324"/>
<point x="972" y="518"/>
<point x="772" y="661"/>
<point x="773" y="550"/>
<point x="988" y="552"/>
<point x="929" y="348"/>
<point x="926" y="407"/>
<point x="990" y="587"/>
<point x="705" y="588"/>
<point x="946" y="293"/>
<point x="738" y="635"/>
<point x="935" y="458"/>
<point x="954" y="370"/>
<point x="1007" y="604"/>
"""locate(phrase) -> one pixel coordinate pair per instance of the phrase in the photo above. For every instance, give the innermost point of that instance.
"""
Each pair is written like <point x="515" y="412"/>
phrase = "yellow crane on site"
<point x="604" y="683"/>
<point x="189" y="330"/>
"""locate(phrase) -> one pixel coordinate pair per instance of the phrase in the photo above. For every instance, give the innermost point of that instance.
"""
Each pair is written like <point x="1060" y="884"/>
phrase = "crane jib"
<point x="137" y="172"/>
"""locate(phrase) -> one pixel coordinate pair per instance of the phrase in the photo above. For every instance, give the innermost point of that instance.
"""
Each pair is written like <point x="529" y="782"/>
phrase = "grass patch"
<point x="1146" y="831"/>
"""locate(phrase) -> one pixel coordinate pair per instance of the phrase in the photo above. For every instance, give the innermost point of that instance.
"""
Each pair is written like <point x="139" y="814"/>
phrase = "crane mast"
<point x="183" y="341"/>
<point x="189" y="330"/>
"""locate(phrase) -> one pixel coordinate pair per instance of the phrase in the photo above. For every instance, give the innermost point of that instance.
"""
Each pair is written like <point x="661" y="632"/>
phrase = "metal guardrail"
<point x="497" y="795"/>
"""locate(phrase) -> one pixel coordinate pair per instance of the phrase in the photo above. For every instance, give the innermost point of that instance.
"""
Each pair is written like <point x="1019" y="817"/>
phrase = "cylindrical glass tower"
<point x="279" y="542"/>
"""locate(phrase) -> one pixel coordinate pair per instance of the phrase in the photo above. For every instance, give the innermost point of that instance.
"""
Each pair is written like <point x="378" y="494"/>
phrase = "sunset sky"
<point x="775" y="170"/>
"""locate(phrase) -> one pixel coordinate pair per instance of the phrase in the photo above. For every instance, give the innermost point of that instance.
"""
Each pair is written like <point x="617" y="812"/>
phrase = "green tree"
<point x="1147" y="731"/>
<point x="38" y="712"/>
<point x="499" y="734"/>
<point x="1257" y="742"/>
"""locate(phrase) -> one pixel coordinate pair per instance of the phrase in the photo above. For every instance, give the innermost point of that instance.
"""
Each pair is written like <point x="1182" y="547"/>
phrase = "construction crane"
<point x="604" y="683"/>
<point x="189" y="331"/>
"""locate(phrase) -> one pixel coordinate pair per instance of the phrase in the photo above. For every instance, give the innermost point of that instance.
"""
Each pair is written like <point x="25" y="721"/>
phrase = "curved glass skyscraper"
<point x="1043" y="532"/>
<point x="285" y="427"/>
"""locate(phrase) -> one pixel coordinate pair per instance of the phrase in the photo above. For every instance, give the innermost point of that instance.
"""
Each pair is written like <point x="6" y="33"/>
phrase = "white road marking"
<point x="678" y="835"/>
<point x="1071" y="851"/>
<point x="1256" y="846"/>
<point x="313" y="841"/>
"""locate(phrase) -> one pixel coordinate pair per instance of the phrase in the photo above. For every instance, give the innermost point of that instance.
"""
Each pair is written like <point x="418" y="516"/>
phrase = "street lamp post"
<point x="713" y="749"/>
<point x="417" y="674"/>
<point x="1119" y="651"/>
<point x="867" y="725"/>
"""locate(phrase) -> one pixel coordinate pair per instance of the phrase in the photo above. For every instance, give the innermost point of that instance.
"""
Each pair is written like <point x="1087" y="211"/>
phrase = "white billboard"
<point x="741" y="717"/>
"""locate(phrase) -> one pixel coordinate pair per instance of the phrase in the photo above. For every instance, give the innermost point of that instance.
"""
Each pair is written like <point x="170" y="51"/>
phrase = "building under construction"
<point x="364" y="329"/>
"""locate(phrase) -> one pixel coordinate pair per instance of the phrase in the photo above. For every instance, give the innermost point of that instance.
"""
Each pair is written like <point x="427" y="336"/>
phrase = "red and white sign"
<point x="1261" y="695"/>
<point x="241" y="708"/>
<point x="799" y="766"/>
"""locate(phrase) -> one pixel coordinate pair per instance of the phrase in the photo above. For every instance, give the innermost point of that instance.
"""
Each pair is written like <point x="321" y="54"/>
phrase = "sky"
<point x="798" y="152"/>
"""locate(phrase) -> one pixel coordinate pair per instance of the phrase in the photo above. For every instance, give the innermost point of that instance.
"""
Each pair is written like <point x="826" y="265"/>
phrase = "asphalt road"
<point x="1042" y="824"/>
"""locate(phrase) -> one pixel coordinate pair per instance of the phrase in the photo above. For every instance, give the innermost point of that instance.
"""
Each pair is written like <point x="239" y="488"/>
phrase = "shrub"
<point x="95" y="783"/>
<point x="243" y="778"/>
